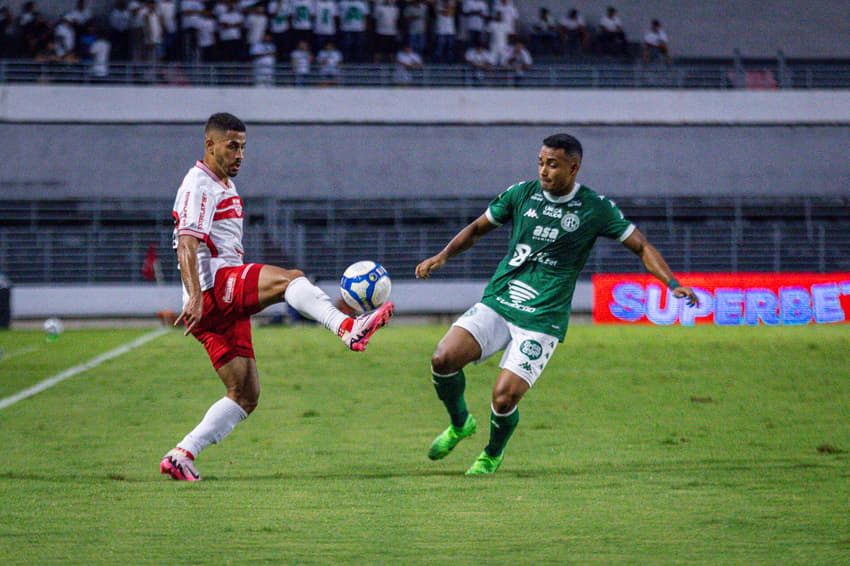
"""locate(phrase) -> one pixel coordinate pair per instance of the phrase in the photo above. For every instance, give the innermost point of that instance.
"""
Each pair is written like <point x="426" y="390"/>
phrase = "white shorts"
<point x="526" y="351"/>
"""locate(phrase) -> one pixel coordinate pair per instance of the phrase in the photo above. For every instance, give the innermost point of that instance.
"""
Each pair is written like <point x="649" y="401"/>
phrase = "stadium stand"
<point x="62" y="241"/>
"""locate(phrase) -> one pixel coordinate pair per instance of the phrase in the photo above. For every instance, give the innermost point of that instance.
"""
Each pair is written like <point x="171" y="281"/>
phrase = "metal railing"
<point x="105" y="240"/>
<point x="736" y="72"/>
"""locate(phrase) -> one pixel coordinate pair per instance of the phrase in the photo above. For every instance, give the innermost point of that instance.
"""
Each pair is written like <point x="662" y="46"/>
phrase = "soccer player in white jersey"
<point x="525" y="309"/>
<point x="220" y="292"/>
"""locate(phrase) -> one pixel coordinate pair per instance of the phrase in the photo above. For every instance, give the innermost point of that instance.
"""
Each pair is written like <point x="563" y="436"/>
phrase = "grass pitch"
<point x="638" y="446"/>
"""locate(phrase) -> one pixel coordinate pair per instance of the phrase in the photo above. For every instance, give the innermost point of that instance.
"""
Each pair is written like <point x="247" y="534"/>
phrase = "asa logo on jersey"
<point x="545" y="233"/>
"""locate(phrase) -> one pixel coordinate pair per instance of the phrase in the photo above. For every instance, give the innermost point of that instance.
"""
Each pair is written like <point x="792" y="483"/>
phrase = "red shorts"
<point x="225" y="328"/>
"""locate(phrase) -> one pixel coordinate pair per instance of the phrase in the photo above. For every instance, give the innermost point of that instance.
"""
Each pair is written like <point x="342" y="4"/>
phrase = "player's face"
<point x="226" y="151"/>
<point x="556" y="170"/>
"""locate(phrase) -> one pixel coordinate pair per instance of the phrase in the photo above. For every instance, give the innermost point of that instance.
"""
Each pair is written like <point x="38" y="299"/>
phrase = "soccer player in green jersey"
<point x="526" y="306"/>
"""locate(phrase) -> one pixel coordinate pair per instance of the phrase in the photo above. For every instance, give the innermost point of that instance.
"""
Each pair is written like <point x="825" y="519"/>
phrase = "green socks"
<point x="501" y="429"/>
<point x="450" y="391"/>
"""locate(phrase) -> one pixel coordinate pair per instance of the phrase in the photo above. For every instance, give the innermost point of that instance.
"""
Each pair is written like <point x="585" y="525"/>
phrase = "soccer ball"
<point x="53" y="327"/>
<point x="365" y="286"/>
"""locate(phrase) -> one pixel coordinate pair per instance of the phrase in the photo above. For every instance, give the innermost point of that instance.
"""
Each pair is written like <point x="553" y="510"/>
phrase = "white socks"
<point x="314" y="303"/>
<point x="219" y="421"/>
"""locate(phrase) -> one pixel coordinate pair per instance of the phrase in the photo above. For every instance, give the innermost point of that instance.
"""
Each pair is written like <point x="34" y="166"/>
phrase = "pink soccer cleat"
<point x="177" y="463"/>
<point x="366" y="325"/>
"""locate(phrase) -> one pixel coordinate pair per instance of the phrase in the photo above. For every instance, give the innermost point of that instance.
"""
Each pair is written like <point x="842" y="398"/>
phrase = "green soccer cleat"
<point x="485" y="464"/>
<point x="448" y="439"/>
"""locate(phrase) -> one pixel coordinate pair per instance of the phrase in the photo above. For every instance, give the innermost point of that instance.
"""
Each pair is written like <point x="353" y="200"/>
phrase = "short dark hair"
<point x="224" y="122"/>
<point x="566" y="142"/>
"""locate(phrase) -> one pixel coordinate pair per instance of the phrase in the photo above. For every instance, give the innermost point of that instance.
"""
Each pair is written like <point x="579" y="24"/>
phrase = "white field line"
<point x="85" y="366"/>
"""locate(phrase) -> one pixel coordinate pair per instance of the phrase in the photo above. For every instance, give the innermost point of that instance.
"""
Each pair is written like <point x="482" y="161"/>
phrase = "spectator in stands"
<point x="206" y="44"/>
<point x="280" y="13"/>
<point x="65" y="39"/>
<point x="544" y="32"/>
<point x="475" y="14"/>
<point x="480" y="60"/>
<point x="80" y="16"/>
<point x="85" y="39"/>
<point x="386" y="18"/>
<point x="33" y="30"/>
<point x="168" y="12"/>
<point x="191" y="13"/>
<point x="119" y="30"/>
<point x="416" y="24"/>
<point x="445" y="30"/>
<point x="99" y="52"/>
<point x="329" y="59"/>
<point x="301" y="59"/>
<point x="503" y="25"/>
<point x="327" y="21"/>
<point x="27" y="15"/>
<point x="256" y="25"/>
<point x="407" y="60"/>
<point x="518" y="60"/>
<point x="353" y="24"/>
<point x="656" y="44"/>
<point x="154" y="34"/>
<point x="573" y="32"/>
<point x="263" y="54"/>
<point x="137" y="31"/>
<point x="230" y="40"/>
<point x="612" y="38"/>
<point x="303" y="12"/>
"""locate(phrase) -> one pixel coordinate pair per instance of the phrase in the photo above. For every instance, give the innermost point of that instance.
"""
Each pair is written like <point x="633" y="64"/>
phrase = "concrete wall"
<point x="801" y="28"/>
<point x="362" y="143"/>
<point x="360" y="161"/>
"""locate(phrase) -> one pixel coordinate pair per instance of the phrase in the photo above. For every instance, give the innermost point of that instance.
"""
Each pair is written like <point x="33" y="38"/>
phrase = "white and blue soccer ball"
<point x="365" y="286"/>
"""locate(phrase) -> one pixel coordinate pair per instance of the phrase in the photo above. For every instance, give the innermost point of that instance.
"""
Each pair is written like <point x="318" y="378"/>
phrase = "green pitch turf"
<point x="638" y="446"/>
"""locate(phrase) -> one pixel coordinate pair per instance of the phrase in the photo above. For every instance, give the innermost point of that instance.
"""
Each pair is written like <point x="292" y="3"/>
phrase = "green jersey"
<point x="551" y="239"/>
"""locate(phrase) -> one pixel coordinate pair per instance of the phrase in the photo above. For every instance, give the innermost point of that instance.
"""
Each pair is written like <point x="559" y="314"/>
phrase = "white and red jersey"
<point x="210" y="210"/>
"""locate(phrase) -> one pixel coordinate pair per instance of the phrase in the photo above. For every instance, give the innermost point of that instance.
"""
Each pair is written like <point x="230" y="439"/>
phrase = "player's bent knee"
<point x="442" y="363"/>
<point x="506" y="399"/>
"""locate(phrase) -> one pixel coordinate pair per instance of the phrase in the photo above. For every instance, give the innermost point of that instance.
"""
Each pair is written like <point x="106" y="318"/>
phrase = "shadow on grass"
<point x="719" y="465"/>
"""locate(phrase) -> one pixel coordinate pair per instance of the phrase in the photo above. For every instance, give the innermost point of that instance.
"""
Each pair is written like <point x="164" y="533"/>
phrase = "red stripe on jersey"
<point x="228" y="202"/>
<point x="231" y="213"/>
<point x="229" y="208"/>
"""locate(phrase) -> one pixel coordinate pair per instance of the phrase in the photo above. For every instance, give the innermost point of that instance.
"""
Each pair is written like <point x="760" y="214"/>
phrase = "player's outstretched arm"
<point x="461" y="242"/>
<point x="654" y="263"/>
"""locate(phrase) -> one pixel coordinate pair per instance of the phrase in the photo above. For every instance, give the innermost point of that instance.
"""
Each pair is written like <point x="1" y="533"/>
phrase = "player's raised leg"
<point x="457" y="349"/>
<point x="291" y="285"/>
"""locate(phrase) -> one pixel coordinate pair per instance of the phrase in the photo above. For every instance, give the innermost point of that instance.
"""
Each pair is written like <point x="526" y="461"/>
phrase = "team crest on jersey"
<point x="570" y="222"/>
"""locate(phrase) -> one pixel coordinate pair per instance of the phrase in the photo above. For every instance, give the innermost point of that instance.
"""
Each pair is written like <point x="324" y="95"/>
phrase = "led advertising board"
<point x="726" y="299"/>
